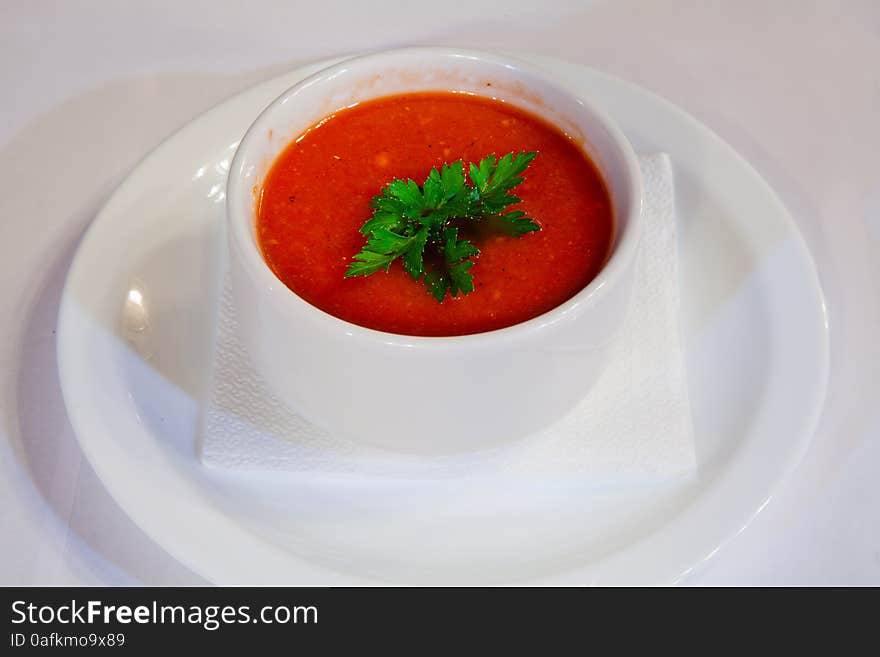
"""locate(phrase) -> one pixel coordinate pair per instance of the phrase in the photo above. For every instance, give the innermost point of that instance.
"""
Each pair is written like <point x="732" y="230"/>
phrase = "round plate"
<point x="134" y="350"/>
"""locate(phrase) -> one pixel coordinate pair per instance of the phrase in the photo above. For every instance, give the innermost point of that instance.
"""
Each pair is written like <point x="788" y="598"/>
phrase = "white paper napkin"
<point x="634" y="424"/>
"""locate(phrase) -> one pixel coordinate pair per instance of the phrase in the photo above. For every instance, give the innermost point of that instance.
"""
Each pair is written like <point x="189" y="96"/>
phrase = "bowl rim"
<point x="623" y="252"/>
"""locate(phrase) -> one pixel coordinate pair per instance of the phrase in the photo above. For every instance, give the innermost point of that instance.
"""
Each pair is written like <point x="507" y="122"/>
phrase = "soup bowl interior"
<point x="468" y="385"/>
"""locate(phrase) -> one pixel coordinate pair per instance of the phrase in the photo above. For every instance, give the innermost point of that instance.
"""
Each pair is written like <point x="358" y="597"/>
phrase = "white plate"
<point x="134" y="347"/>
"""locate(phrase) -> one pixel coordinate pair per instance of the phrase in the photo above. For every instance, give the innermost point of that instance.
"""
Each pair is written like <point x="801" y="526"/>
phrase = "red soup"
<point x="317" y="196"/>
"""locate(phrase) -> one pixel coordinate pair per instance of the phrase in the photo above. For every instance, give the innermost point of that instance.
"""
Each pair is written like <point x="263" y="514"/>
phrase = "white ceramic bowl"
<point x="428" y="394"/>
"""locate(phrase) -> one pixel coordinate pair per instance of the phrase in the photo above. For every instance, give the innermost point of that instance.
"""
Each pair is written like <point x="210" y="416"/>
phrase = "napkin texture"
<point x="634" y="424"/>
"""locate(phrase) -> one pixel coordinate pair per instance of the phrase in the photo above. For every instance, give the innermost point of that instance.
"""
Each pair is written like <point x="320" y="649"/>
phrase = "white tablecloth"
<point x="88" y="87"/>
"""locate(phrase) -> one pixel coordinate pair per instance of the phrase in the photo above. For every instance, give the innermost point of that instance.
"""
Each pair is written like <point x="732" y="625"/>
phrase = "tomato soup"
<point x="317" y="195"/>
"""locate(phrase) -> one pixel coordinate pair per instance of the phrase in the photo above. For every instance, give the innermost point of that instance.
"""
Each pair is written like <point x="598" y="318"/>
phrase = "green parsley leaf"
<point x="514" y="223"/>
<point x="459" y="278"/>
<point x="437" y="284"/>
<point x="413" y="259"/>
<point x="456" y="253"/>
<point x="409" y="220"/>
<point x="454" y="249"/>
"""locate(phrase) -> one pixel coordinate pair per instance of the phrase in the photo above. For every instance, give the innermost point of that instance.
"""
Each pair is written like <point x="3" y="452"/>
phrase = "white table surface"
<point x="89" y="87"/>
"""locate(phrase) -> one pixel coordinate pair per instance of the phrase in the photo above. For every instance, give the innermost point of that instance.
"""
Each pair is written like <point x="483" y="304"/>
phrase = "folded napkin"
<point x="635" y="423"/>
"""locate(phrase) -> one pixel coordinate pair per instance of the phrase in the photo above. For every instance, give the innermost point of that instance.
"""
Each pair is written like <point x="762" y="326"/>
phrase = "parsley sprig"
<point x="411" y="222"/>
